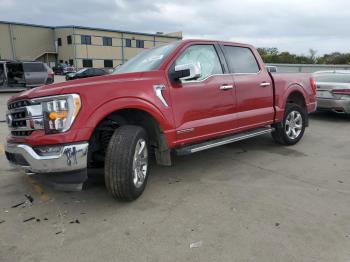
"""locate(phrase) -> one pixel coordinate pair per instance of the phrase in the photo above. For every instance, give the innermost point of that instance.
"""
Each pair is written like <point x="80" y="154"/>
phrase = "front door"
<point x="204" y="107"/>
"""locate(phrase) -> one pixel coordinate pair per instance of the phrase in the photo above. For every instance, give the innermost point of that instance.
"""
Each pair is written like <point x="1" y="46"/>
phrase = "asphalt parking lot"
<point x="249" y="201"/>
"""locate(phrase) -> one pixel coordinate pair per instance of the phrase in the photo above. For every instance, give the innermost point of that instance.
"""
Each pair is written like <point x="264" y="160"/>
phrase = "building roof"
<point x="89" y="28"/>
<point x="25" y="24"/>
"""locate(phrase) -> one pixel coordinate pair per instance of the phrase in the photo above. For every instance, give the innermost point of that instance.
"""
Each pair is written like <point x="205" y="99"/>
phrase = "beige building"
<point x="75" y="45"/>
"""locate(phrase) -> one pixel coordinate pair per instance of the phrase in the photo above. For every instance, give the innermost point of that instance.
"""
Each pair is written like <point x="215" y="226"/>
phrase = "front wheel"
<point x="292" y="129"/>
<point x="126" y="164"/>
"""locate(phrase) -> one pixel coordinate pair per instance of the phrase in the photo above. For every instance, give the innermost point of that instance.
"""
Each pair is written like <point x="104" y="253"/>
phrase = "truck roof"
<point x="215" y="41"/>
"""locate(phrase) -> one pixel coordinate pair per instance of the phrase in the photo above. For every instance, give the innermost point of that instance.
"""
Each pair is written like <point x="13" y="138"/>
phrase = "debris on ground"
<point x="29" y="200"/>
<point x="175" y="180"/>
<point x="38" y="220"/>
<point x="74" y="222"/>
<point x="196" y="244"/>
<point x="29" y="197"/>
<point x="277" y="224"/>
<point x="341" y="182"/>
<point x="2" y="221"/>
<point x="28" y="219"/>
<point x="19" y="204"/>
<point x="59" y="232"/>
<point x="45" y="218"/>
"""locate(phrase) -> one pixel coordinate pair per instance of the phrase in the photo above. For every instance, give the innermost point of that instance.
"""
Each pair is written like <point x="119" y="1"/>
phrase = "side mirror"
<point x="187" y="72"/>
<point x="271" y="69"/>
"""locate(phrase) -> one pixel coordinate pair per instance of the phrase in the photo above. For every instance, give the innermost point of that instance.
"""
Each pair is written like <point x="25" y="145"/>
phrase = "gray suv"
<point x="37" y="73"/>
<point x="21" y="75"/>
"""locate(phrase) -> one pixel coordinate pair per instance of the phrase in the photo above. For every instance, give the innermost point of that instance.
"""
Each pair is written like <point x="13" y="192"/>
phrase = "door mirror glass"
<point x="187" y="72"/>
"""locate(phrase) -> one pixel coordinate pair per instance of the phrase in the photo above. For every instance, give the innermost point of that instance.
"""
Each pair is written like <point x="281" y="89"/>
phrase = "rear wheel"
<point x="292" y="128"/>
<point x="126" y="165"/>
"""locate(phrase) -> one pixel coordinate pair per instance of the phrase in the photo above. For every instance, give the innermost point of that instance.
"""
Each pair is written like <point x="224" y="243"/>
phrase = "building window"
<point x="127" y="42"/>
<point x="86" y="39"/>
<point x="59" y="41"/>
<point x="107" y="41"/>
<point x="108" y="63"/>
<point x="71" y="62"/>
<point x="87" y="62"/>
<point x="69" y="39"/>
<point x="140" y="43"/>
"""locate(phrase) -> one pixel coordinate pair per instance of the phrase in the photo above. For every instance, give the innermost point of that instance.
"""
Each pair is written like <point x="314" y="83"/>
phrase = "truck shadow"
<point x="167" y="187"/>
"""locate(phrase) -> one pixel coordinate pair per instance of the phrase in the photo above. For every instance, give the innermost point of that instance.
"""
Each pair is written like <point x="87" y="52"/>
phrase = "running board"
<point x="222" y="141"/>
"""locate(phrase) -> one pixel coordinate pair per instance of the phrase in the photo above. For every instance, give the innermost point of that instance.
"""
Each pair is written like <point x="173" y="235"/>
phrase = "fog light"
<point x="48" y="150"/>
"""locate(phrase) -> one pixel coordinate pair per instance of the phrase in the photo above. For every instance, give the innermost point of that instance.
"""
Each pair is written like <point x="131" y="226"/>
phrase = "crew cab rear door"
<point x="254" y="87"/>
<point x="204" y="107"/>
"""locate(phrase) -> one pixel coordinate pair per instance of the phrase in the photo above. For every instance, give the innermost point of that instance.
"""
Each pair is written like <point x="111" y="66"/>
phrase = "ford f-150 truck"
<point x="178" y="98"/>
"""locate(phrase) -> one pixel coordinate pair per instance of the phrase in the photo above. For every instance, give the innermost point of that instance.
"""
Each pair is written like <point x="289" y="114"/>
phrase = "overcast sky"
<point x="290" y="25"/>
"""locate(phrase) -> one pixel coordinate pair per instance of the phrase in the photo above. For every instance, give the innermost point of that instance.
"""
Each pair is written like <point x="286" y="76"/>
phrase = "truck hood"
<point x="85" y="85"/>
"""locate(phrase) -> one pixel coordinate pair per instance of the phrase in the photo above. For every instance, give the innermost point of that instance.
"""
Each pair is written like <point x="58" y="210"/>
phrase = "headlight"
<point x="59" y="112"/>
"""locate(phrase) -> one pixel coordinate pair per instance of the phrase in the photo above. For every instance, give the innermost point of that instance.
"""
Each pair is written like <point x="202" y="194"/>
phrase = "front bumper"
<point x="67" y="158"/>
<point x="336" y="105"/>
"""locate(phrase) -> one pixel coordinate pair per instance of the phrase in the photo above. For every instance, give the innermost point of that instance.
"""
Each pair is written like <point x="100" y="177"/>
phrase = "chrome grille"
<point x="24" y="117"/>
<point x="18" y="104"/>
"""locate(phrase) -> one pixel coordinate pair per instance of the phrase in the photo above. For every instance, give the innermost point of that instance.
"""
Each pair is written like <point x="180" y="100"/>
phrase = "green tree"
<point x="272" y="55"/>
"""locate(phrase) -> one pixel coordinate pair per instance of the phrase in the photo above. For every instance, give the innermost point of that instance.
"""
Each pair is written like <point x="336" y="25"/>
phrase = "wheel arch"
<point x="295" y="93"/>
<point x="131" y="112"/>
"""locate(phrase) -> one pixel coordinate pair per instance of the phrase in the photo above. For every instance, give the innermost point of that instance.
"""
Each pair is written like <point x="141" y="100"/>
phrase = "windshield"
<point x="333" y="78"/>
<point x="147" y="60"/>
<point x="81" y="70"/>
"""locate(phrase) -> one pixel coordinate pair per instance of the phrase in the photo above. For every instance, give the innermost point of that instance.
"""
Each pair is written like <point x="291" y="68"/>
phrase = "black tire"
<point x="280" y="134"/>
<point x="119" y="173"/>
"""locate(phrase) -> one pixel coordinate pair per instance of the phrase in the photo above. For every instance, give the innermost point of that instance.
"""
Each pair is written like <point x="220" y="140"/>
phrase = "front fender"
<point x="163" y="118"/>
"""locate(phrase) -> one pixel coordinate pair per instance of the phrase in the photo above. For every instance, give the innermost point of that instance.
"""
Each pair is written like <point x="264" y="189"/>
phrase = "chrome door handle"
<point x="226" y="87"/>
<point x="265" y="84"/>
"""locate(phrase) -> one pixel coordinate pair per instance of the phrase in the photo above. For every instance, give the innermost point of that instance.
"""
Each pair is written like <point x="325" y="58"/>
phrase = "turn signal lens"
<point x="77" y="105"/>
<point x="56" y="115"/>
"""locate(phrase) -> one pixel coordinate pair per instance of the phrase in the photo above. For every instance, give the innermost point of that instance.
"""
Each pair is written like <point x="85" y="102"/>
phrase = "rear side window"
<point x="203" y="55"/>
<point x="241" y="60"/>
<point x="33" y="67"/>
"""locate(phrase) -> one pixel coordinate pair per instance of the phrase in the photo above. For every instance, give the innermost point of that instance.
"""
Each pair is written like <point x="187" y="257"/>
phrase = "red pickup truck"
<point x="178" y="98"/>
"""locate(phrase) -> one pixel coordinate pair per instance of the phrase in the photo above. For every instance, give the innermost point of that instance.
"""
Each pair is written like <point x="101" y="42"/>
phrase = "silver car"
<point x="333" y="90"/>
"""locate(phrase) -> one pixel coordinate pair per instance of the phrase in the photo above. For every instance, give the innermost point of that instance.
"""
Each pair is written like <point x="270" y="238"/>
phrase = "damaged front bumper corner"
<point x="65" y="164"/>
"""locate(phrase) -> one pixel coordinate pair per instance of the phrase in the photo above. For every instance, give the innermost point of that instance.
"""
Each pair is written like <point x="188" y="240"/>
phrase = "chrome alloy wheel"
<point x="293" y="124"/>
<point x="140" y="163"/>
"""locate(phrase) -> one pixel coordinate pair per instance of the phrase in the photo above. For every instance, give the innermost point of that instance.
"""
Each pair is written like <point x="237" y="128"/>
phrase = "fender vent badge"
<point x="158" y="90"/>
